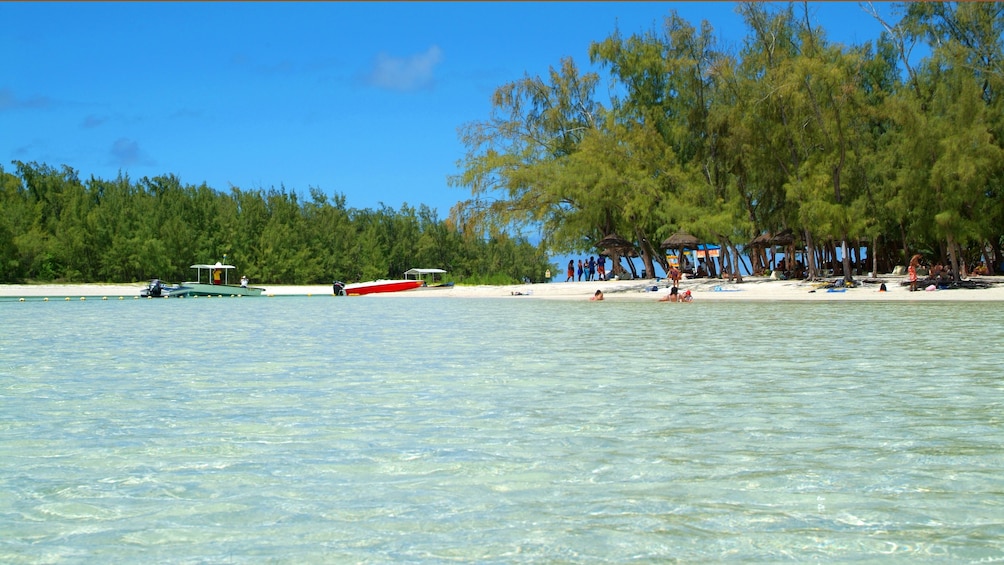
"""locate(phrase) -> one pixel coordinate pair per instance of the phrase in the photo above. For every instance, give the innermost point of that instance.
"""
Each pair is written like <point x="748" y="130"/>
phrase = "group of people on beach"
<point x="593" y="268"/>
<point x="940" y="276"/>
<point x="673" y="296"/>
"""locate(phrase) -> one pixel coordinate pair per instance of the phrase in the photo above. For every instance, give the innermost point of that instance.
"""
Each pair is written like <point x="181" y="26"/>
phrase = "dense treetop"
<point x="838" y="144"/>
<point x="53" y="226"/>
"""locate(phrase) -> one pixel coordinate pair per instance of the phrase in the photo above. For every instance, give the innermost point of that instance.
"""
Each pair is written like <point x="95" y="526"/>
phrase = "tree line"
<point x="837" y="145"/>
<point x="56" y="227"/>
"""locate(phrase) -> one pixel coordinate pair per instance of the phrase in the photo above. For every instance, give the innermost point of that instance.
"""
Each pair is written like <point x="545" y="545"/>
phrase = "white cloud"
<point x="405" y="74"/>
<point x="10" y="101"/>
<point x="126" y="152"/>
<point x="92" y="121"/>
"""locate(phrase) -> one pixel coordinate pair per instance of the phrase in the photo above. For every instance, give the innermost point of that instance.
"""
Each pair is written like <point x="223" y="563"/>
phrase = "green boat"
<point x="217" y="283"/>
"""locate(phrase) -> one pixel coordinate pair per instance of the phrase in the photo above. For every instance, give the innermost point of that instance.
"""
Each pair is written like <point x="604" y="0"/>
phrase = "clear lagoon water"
<point x="371" y="430"/>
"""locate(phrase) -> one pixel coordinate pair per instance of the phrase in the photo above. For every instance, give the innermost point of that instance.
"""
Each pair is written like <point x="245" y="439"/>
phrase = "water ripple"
<point x="318" y="430"/>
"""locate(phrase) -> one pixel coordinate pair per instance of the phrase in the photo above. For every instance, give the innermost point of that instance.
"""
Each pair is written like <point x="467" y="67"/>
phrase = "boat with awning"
<point x="210" y="280"/>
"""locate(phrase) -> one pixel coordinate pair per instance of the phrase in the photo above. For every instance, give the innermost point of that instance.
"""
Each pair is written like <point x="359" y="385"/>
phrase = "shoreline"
<point x="758" y="289"/>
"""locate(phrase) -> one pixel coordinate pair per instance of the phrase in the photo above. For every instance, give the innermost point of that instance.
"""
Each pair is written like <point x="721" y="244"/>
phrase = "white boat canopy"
<point x="218" y="265"/>
<point x="210" y="268"/>
<point x="420" y="272"/>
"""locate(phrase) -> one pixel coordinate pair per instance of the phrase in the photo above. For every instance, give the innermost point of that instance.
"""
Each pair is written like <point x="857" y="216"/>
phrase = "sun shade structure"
<point x="762" y="263"/>
<point x="614" y="242"/>
<point x="616" y="246"/>
<point x="427" y="275"/>
<point x="680" y="240"/>
<point x="419" y="272"/>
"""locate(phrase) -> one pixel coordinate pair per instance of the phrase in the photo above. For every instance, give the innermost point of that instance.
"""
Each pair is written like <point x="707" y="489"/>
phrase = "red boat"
<point x="372" y="287"/>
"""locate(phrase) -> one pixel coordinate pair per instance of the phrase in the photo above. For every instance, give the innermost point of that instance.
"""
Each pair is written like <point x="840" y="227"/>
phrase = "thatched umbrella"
<point x="615" y="246"/>
<point x="786" y="239"/>
<point x="614" y="242"/>
<point x="680" y="241"/>
<point x="759" y="246"/>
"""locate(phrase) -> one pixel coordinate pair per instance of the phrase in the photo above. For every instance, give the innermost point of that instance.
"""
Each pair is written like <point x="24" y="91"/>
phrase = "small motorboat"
<point x="158" y="289"/>
<point x="373" y="287"/>
<point x="217" y="283"/>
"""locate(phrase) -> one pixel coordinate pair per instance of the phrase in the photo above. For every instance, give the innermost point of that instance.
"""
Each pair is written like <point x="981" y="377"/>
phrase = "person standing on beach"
<point x="912" y="272"/>
<point x="674" y="275"/>
<point x="571" y="270"/>
<point x="601" y="267"/>
<point x="592" y="268"/>
<point x="580" y="270"/>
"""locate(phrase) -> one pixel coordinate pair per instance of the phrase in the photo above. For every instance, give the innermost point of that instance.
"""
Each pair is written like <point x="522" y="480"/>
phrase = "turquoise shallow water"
<point x="324" y="430"/>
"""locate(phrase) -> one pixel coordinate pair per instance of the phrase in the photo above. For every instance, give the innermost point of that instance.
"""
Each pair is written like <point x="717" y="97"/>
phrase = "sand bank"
<point x="753" y="289"/>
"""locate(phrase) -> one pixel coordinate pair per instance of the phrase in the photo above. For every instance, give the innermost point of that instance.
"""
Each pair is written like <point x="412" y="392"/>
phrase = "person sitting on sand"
<point x="673" y="296"/>
<point x="882" y="287"/>
<point x="597" y="296"/>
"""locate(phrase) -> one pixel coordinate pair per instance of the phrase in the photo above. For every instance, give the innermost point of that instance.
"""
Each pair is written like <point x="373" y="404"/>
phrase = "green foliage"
<point x="792" y="133"/>
<point x="834" y="143"/>
<point x="55" y="227"/>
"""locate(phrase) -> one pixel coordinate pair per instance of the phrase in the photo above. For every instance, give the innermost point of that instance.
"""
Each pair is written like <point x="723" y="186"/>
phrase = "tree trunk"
<point x="906" y="248"/>
<point x="810" y="256"/>
<point x="723" y="256"/>
<point x="993" y="264"/>
<point x="735" y="261"/>
<point x="953" y="257"/>
<point x="646" y="254"/>
<point x="874" y="252"/>
<point x="846" y="260"/>
<point x="618" y="268"/>
<point x="709" y="265"/>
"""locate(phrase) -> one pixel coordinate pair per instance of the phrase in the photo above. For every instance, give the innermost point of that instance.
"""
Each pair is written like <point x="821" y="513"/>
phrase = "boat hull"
<point x="191" y="289"/>
<point x="373" y="287"/>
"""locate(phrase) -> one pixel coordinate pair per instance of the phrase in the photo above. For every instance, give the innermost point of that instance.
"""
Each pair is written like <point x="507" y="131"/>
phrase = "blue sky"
<point x="362" y="99"/>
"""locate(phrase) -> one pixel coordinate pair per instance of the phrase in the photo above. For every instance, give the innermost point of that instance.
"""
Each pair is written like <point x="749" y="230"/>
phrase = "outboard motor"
<point x="338" y="288"/>
<point x="155" y="288"/>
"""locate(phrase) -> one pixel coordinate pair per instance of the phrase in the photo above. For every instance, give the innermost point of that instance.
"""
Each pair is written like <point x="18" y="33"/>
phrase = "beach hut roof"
<point x="680" y="239"/>
<point x="784" y="237"/>
<point x="615" y="242"/>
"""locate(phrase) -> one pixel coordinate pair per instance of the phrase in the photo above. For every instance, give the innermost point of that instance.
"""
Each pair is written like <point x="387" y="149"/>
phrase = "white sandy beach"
<point x="752" y="289"/>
